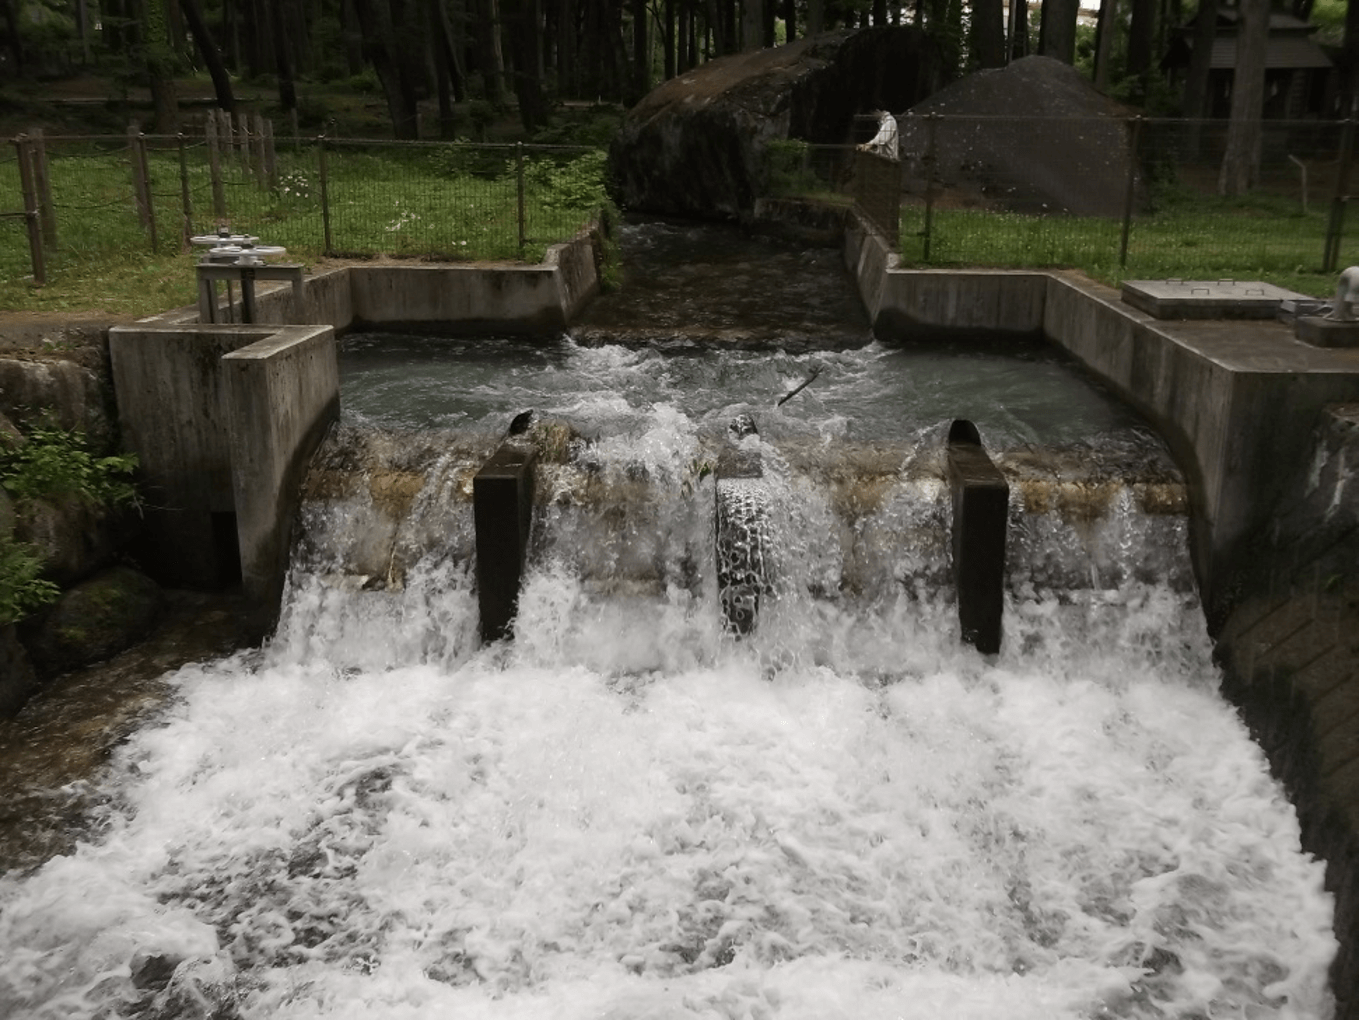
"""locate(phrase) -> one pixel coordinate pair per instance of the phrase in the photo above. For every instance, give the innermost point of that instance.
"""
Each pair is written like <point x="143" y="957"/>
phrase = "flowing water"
<point x="627" y="812"/>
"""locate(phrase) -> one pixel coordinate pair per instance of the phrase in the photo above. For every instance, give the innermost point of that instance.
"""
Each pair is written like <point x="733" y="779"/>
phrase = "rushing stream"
<point x="627" y="813"/>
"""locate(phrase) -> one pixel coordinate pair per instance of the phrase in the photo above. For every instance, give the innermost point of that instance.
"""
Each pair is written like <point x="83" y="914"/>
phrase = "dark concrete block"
<point x="502" y="502"/>
<point x="981" y="503"/>
<point x="1321" y="332"/>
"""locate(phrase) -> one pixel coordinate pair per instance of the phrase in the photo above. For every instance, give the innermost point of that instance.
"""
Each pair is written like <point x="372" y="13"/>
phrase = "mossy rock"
<point x="93" y="620"/>
<point x="17" y="679"/>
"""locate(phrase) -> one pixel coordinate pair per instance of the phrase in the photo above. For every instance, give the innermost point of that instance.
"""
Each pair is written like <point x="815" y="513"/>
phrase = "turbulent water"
<point x="627" y="813"/>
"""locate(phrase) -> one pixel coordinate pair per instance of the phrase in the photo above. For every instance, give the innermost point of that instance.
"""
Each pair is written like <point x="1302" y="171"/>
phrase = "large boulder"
<point x="51" y="391"/>
<point x="92" y="621"/>
<point x="1033" y="137"/>
<point x="695" y="145"/>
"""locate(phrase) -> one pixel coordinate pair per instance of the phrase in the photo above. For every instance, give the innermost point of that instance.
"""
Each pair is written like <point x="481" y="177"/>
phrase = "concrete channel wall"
<point x="1267" y="430"/>
<point x="223" y="419"/>
<point x="452" y="297"/>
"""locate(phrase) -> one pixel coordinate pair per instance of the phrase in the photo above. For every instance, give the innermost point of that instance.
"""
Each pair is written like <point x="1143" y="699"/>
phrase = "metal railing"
<point x="91" y="197"/>
<point x="1134" y="196"/>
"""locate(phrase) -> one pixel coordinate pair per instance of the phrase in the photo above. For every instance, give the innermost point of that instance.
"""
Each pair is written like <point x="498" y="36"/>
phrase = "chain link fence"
<point x="1118" y="198"/>
<point x="98" y="197"/>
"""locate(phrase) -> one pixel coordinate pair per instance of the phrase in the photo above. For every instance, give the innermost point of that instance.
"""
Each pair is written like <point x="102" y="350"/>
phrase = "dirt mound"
<point x="1031" y="137"/>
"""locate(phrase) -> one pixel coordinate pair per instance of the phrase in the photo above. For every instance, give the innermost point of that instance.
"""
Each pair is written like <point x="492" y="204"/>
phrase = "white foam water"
<point x="628" y="813"/>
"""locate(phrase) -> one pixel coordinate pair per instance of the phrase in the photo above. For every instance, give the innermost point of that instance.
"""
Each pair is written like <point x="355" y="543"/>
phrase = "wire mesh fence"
<point x="1119" y="198"/>
<point x="103" y="196"/>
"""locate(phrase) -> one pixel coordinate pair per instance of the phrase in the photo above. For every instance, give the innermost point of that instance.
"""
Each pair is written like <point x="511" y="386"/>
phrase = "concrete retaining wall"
<point x="1267" y="430"/>
<point x="282" y="392"/>
<point x="467" y="298"/>
<point x="1237" y="401"/>
<point x="222" y="418"/>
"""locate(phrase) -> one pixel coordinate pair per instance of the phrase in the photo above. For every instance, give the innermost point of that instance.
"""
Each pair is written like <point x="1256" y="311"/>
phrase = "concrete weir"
<point x="225" y="417"/>
<point x="1266" y="428"/>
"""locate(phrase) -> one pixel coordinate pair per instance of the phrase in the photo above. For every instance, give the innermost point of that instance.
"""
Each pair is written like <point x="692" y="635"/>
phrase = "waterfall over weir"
<point x="630" y="813"/>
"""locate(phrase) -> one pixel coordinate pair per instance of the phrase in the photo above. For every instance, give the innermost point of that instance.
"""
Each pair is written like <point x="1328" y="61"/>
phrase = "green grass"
<point x="1185" y="236"/>
<point x="445" y="201"/>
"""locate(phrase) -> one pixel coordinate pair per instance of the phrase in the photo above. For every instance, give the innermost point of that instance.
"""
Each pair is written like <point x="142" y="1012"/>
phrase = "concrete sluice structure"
<point x="1264" y="508"/>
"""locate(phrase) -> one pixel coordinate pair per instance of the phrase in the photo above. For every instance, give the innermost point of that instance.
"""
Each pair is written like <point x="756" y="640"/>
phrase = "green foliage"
<point x="789" y="163"/>
<point x="55" y="462"/>
<point x="577" y="185"/>
<point x="22" y="589"/>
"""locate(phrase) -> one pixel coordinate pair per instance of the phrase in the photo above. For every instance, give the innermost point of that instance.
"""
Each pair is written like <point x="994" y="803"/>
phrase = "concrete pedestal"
<point x="1323" y="332"/>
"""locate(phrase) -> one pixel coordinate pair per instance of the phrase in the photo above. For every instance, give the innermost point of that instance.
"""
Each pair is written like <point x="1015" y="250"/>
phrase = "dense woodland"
<point x="497" y="55"/>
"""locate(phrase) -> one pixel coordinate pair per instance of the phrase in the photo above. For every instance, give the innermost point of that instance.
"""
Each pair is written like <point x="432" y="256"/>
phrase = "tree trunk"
<point x="159" y="61"/>
<point x="1349" y="62"/>
<point x="790" y="20"/>
<point x="490" y="55"/>
<point x="212" y="56"/>
<point x="752" y="25"/>
<point x="1057" y="31"/>
<point x="1241" y="160"/>
<point x="287" y="91"/>
<point x="379" y="47"/>
<point x="1104" y="42"/>
<point x="641" y="54"/>
<point x="988" y="33"/>
<point x="1196" y="106"/>
<point x="525" y="40"/>
<point x="1141" y="32"/>
<point x="1018" y="30"/>
<point x="353" y="37"/>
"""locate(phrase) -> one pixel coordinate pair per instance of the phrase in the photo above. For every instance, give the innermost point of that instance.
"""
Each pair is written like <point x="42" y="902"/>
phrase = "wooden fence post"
<point x="141" y="181"/>
<point x="270" y="156"/>
<point x="243" y="140"/>
<point x="31" y="214"/>
<point x="42" y="181"/>
<point x="257" y="149"/>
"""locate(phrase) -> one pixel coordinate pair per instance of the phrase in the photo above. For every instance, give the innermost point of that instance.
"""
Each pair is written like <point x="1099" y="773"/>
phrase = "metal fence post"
<point x="519" y="185"/>
<point x="184" y="197"/>
<point x="325" y="193"/>
<point x="31" y="215"/>
<point x="1130" y="194"/>
<point x="931" y="123"/>
<point x="211" y="133"/>
<point x="1336" y="221"/>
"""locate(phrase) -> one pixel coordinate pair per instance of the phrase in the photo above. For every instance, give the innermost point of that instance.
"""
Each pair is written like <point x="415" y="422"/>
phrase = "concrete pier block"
<point x="502" y="501"/>
<point x="1322" y="332"/>
<point x="981" y="502"/>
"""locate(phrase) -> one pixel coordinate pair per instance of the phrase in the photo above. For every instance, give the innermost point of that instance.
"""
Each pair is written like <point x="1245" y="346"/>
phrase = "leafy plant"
<point x="22" y="589"/>
<point x="55" y="462"/>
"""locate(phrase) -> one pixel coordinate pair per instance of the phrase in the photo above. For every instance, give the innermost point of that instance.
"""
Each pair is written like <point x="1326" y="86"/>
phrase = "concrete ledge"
<point x="467" y="297"/>
<point x="1237" y="401"/>
<point x="1322" y="332"/>
<point x="283" y="392"/>
<point x="222" y="441"/>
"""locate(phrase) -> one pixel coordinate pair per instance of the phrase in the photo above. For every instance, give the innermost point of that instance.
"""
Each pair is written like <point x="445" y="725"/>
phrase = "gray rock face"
<point x="1032" y="137"/>
<point x="74" y="538"/>
<point x="695" y="145"/>
<point x="63" y="390"/>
